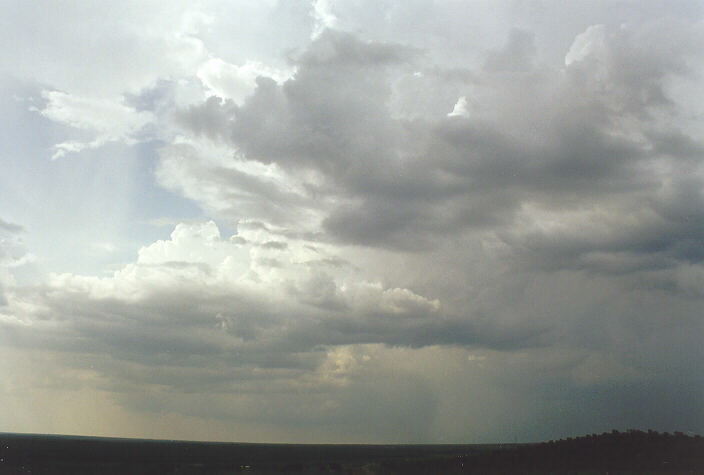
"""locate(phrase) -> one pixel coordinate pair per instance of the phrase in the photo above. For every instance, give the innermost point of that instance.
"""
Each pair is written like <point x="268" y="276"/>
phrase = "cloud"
<point x="590" y="43"/>
<point x="382" y="179"/>
<point x="323" y="16"/>
<point x="517" y="55"/>
<point x="259" y="288"/>
<point x="10" y="227"/>
<point x="198" y="311"/>
<point x="460" y="108"/>
<point x="543" y="214"/>
<point x="104" y="120"/>
<point x="414" y="240"/>
<point x="235" y="82"/>
<point x="14" y="258"/>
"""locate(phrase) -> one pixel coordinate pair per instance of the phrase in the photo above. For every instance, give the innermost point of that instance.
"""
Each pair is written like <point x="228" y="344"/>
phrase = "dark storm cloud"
<point x="192" y="325"/>
<point x="322" y="117"/>
<point x="579" y="170"/>
<point x="422" y="331"/>
<point x="677" y="144"/>
<point x="212" y="118"/>
<point x="518" y="54"/>
<point x="560" y="139"/>
<point x="586" y="177"/>
<point x="659" y="229"/>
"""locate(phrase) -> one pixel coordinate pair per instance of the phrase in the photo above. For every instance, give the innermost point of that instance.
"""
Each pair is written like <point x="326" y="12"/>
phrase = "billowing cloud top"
<point x="487" y="227"/>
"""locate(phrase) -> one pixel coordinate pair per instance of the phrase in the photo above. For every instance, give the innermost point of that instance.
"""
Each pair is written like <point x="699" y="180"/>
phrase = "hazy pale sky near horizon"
<point x="351" y="221"/>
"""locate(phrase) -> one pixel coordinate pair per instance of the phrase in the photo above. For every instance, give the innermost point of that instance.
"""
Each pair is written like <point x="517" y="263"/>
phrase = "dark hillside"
<point x="633" y="451"/>
<point x="613" y="452"/>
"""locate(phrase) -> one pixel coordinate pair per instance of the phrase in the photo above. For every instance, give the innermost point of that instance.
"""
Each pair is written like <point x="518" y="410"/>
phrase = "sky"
<point x="351" y="220"/>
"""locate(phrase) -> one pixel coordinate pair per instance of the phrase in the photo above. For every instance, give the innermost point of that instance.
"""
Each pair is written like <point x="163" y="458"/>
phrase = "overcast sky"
<point x="351" y="221"/>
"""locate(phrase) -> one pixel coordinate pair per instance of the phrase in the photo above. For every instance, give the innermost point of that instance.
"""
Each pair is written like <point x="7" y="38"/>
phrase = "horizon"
<point x="233" y="442"/>
<point x="399" y="222"/>
<point x="612" y="432"/>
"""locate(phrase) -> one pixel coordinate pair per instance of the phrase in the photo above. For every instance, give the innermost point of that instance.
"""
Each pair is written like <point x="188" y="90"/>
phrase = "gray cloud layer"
<point x="595" y="137"/>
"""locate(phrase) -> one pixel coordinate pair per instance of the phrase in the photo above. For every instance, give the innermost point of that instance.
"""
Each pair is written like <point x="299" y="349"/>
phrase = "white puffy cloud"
<point x="590" y="44"/>
<point x="260" y="261"/>
<point x="235" y="82"/>
<point x="103" y="119"/>
<point x="460" y="108"/>
<point x="323" y="16"/>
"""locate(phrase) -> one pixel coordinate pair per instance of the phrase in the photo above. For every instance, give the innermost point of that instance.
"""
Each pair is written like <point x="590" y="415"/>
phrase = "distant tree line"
<point x="632" y="451"/>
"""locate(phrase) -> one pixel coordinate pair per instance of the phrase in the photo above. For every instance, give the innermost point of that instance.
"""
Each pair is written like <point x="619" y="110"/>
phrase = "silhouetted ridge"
<point x="630" y="451"/>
